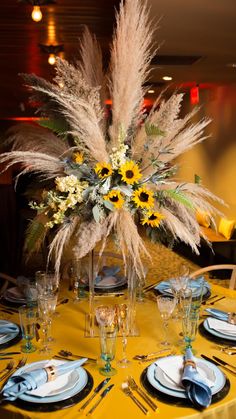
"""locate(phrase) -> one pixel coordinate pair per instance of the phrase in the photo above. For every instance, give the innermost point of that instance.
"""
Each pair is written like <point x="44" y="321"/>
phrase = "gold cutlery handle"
<point x="138" y="403"/>
<point x="87" y="402"/>
<point x="147" y="399"/>
<point x="94" y="407"/>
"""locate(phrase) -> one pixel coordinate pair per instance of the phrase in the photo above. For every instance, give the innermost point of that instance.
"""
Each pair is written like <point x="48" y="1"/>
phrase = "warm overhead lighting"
<point x="51" y="59"/>
<point x="52" y="51"/>
<point x="151" y="91"/>
<point x="194" y="95"/>
<point x="233" y="65"/>
<point x="36" y="14"/>
<point x="167" y="78"/>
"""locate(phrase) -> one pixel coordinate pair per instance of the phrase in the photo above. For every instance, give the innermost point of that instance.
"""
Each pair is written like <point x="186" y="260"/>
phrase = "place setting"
<point x="10" y="334"/>
<point x="219" y="326"/>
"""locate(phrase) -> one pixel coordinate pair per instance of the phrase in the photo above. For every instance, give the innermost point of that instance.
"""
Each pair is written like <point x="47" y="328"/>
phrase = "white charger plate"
<point x="120" y="281"/>
<point x="14" y="295"/>
<point x="76" y="383"/>
<point x="220" y="378"/>
<point x="217" y="332"/>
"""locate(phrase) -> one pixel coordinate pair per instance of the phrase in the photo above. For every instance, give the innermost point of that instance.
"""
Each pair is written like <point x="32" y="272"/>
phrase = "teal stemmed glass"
<point x="28" y="318"/>
<point x="105" y="315"/>
<point x="190" y="324"/>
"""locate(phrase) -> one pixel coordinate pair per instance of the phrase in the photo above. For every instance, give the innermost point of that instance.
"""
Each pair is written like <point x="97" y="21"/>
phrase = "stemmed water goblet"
<point x="190" y="324"/>
<point x="47" y="305"/>
<point x="105" y="316"/>
<point x="178" y="284"/>
<point x="28" y="318"/>
<point x="166" y="306"/>
<point x="79" y="278"/>
<point x="123" y="324"/>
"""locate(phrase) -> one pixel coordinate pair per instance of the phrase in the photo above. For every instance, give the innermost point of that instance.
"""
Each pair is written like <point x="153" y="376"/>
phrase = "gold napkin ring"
<point x="189" y="362"/>
<point x="51" y="373"/>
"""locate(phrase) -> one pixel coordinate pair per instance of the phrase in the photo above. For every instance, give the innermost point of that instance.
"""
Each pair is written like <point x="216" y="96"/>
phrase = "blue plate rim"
<point x="216" y="333"/>
<point x="12" y="336"/>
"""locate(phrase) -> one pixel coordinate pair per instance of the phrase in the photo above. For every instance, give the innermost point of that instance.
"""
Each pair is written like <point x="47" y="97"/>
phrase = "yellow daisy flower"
<point x="143" y="198"/>
<point x="130" y="172"/>
<point x="152" y="219"/>
<point x="115" y="197"/>
<point x="103" y="170"/>
<point x="78" y="157"/>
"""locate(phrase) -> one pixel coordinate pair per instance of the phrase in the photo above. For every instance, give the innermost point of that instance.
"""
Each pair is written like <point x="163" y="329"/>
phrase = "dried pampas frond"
<point x="130" y="58"/>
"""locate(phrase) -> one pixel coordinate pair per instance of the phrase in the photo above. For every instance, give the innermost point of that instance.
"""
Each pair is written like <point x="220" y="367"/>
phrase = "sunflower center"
<point x="104" y="171"/>
<point x="152" y="217"/>
<point x="143" y="197"/>
<point x="114" y="198"/>
<point x="129" y="174"/>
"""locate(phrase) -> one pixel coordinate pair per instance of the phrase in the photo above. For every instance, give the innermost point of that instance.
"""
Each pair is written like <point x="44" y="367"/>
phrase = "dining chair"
<point x="230" y="267"/>
<point x="4" y="282"/>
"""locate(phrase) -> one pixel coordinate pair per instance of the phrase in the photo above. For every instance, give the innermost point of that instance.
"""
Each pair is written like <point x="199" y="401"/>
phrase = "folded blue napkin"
<point x="107" y="271"/>
<point x="195" y="284"/>
<point x="20" y="384"/>
<point x="218" y="314"/>
<point x="7" y="327"/>
<point x="196" y="387"/>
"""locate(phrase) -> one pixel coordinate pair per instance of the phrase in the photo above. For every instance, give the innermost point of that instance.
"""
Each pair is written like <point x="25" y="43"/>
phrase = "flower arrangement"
<point x="106" y="175"/>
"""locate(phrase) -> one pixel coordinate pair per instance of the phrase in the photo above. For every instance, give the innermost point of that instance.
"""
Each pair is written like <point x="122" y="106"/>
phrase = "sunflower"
<point x="152" y="219"/>
<point x="115" y="197"/>
<point x="143" y="198"/>
<point x="130" y="172"/>
<point x="103" y="170"/>
<point x="78" y="157"/>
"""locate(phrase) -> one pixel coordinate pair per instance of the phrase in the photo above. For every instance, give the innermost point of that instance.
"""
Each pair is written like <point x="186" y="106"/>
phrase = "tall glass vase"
<point x="91" y="294"/>
<point x="132" y="291"/>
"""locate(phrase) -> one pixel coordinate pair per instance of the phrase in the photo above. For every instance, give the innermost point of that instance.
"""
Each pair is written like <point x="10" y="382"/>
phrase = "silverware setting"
<point x="143" y="357"/>
<point x="216" y="301"/>
<point x="68" y="354"/>
<point x="8" y="368"/>
<point x="224" y="362"/>
<point x="209" y="299"/>
<point x="149" y="287"/>
<point x="134" y="386"/>
<point x="95" y="392"/>
<point x="102" y="395"/>
<point x="64" y="301"/>
<point x="219" y="364"/>
<point x="128" y="392"/>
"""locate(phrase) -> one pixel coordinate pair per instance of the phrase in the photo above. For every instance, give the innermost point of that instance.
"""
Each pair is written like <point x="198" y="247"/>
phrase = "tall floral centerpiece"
<point x="109" y="174"/>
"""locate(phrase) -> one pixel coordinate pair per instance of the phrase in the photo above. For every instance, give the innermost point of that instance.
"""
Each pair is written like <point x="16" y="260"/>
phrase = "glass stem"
<point x="165" y="328"/>
<point x="124" y="346"/>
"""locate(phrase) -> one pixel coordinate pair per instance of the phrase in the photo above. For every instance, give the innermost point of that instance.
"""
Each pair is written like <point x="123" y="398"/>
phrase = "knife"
<point x="224" y="362"/>
<point x="95" y="391"/>
<point x="104" y="393"/>
<point x="218" y="364"/>
<point x="9" y="353"/>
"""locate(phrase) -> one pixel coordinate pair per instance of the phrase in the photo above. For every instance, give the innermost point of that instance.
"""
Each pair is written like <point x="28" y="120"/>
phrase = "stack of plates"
<point x="62" y="388"/>
<point x="220" y="328"/>
<point x="165" y="374"/>
<point x="7" y="338"/>
<point x="165" y="288"/>
<point x="14" y="295"/>
<point x="111" y="282"/>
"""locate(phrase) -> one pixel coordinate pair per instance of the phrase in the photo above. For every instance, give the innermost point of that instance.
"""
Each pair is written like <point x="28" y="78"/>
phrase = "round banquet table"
<point x="69" y="333"/>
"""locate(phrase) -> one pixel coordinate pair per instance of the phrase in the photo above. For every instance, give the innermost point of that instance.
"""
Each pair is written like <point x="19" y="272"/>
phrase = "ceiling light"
<point x="52" y="51"/>
<point x="151" y="91"/>
<point x="36" y="13"/>
<point x="167" y="78"/>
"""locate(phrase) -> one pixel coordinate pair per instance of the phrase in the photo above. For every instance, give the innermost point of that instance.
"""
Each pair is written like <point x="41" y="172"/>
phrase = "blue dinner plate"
<point x="65" y="394"/>
<point x="218" y="386"/>
<point x="217" y="333"/>
<point x="9" y="336"/>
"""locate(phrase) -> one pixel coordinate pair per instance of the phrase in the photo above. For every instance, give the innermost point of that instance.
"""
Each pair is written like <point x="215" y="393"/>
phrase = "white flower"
<point x="67" y="183"/>
<point x="118" y="157"/>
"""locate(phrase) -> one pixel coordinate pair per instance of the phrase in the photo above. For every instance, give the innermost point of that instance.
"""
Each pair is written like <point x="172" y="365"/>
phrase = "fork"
<point x="128" y="392"/>
<point x="9" y="366"/>
<point x="140" y="391"/>
<point x="20" y="364"/>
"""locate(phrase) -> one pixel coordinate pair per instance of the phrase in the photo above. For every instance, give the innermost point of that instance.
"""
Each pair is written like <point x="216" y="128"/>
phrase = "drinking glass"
<point x="123" y="325"/>
<point x="185" y="301"/>
<point x="47" y="305"/>
<point x="105" y="316"/>
<point x="166" y="306"/>
<point x="78" y="272"/>
<point x="190" y="324"/>
<point x="179" y="284"/>
<point x="28" y="318"/>
<point x="141" y="280"/>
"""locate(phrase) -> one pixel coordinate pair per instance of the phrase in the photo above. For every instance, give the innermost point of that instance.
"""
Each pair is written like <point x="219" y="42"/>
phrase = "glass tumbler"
<point x="28" y="318"/>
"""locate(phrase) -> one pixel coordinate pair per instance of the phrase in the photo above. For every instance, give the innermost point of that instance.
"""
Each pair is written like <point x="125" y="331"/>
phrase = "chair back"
<point x="232" y="282"/>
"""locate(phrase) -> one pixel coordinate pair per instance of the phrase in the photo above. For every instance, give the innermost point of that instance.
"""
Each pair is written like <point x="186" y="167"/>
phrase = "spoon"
<point x="142" y="357"/>
<point x="228" y="351"/>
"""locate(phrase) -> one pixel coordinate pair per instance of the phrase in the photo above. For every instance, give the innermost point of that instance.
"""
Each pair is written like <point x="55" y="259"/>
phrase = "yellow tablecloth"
<point x="68" y="330"/>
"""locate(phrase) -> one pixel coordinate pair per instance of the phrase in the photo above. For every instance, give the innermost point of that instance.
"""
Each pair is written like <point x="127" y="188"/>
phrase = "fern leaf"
<point x="35" y="234"/>
<point x="59" y="126"/>
<point x="180" y="197"/>
<point x="153" y="131"/>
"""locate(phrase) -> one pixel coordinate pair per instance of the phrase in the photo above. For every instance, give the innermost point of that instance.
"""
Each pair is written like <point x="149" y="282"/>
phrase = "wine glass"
<point x="178" y="284"/>
<point x="105" y="316"/>
<point x="123" y="324"/>
<point x="47" y="305"/>
<point x="28" y="316"/>
<point x="166" y="306"/>
<point x="190" y="324"/>
<point x="79" y="278"/>
<point x="141" y="280"/>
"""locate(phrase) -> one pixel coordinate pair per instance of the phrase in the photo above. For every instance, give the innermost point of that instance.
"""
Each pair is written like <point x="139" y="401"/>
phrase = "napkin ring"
<point x="189" y="363"/>
<point x="51" y="373"/>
